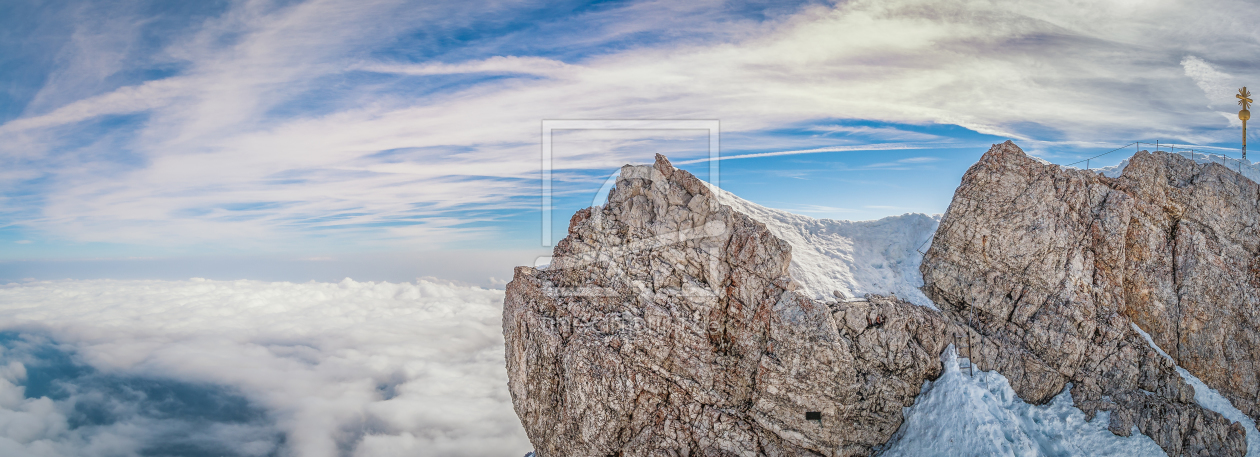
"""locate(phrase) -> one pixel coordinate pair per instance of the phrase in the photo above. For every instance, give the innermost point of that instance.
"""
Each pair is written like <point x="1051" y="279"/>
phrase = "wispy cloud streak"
<point x="282" y="114"/>
<point x="847" y="148"/>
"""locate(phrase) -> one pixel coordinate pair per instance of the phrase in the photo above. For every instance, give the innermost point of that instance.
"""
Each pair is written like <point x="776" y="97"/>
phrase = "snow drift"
<point x="852" y="257"/>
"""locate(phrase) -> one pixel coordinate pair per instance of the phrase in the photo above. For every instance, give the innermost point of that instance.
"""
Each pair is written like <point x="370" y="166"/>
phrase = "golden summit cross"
<point x="1244" y="100"/>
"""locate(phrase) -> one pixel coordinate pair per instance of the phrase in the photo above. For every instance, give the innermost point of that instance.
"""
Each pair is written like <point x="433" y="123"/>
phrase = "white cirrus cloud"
<point x="1217" y="86"/>
<point x="498" y="64"/>
<point x="883" y="133"/>
<point x="264" y="137"/>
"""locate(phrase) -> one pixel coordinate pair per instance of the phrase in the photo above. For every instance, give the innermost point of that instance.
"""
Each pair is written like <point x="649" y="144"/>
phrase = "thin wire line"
<point x="1100" y="155"/>
<point x="1173" y="148"/>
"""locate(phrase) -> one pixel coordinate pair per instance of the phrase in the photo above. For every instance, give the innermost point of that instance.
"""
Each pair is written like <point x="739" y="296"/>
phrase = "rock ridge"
<point x="668" y="324"/>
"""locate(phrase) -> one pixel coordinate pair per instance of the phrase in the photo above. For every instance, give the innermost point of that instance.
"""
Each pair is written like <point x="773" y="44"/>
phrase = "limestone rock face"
<point x="1053" y="266"/>
<point x="667" y="324"/>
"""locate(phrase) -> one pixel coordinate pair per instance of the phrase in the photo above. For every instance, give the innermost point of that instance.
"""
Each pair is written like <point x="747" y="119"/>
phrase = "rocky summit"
<point x="668" y="323"/>
<point x="1061" y="263"/>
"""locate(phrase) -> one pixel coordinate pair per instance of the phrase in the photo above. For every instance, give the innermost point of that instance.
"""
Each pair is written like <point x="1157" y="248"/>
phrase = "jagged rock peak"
<point x="1060" y="263"/>
<point x="667" y="324"/>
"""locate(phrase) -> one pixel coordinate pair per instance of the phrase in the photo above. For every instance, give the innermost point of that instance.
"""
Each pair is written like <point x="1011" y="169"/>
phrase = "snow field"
<point x="853" y="257"/>
<point x="958" y="415"/>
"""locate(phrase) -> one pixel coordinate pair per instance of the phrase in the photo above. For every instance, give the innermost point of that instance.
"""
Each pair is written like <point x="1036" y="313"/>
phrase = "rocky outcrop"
<point x="1053" y="266"/>
<point x="667" y="324"/>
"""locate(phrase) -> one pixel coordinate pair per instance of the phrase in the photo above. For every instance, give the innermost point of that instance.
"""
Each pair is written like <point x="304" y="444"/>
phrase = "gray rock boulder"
<point x="1054" y="265"/>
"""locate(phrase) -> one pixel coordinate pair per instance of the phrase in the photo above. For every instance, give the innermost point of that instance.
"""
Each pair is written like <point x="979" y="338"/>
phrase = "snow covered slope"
<point x="958" y="415"/>
<point x="853" y="257"/>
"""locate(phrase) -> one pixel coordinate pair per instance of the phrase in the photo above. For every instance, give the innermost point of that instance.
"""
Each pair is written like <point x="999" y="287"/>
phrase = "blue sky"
<point x="297" y="140"/>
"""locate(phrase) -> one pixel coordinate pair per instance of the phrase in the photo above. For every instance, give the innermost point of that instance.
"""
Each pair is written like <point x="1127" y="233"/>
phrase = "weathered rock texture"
<point x="1056" y="263"/>
<point x="667" y="324"/>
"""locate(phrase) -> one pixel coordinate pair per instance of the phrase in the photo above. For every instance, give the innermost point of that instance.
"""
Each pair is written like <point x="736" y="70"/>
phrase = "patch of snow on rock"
<point x="958" y="415"/>
<point x="853" y="257"/>
<point x="1209" y="398"/>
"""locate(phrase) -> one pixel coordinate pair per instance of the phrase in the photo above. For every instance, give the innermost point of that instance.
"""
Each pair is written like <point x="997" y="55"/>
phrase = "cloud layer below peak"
<point x="314" y="369"/>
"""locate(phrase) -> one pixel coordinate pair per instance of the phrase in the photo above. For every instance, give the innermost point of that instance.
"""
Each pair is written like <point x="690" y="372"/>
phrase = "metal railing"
<point x="1219" y="153"/>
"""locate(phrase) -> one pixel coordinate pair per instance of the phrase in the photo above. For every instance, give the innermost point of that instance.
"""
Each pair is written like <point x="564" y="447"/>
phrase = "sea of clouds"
<point x="252" y="368"/>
